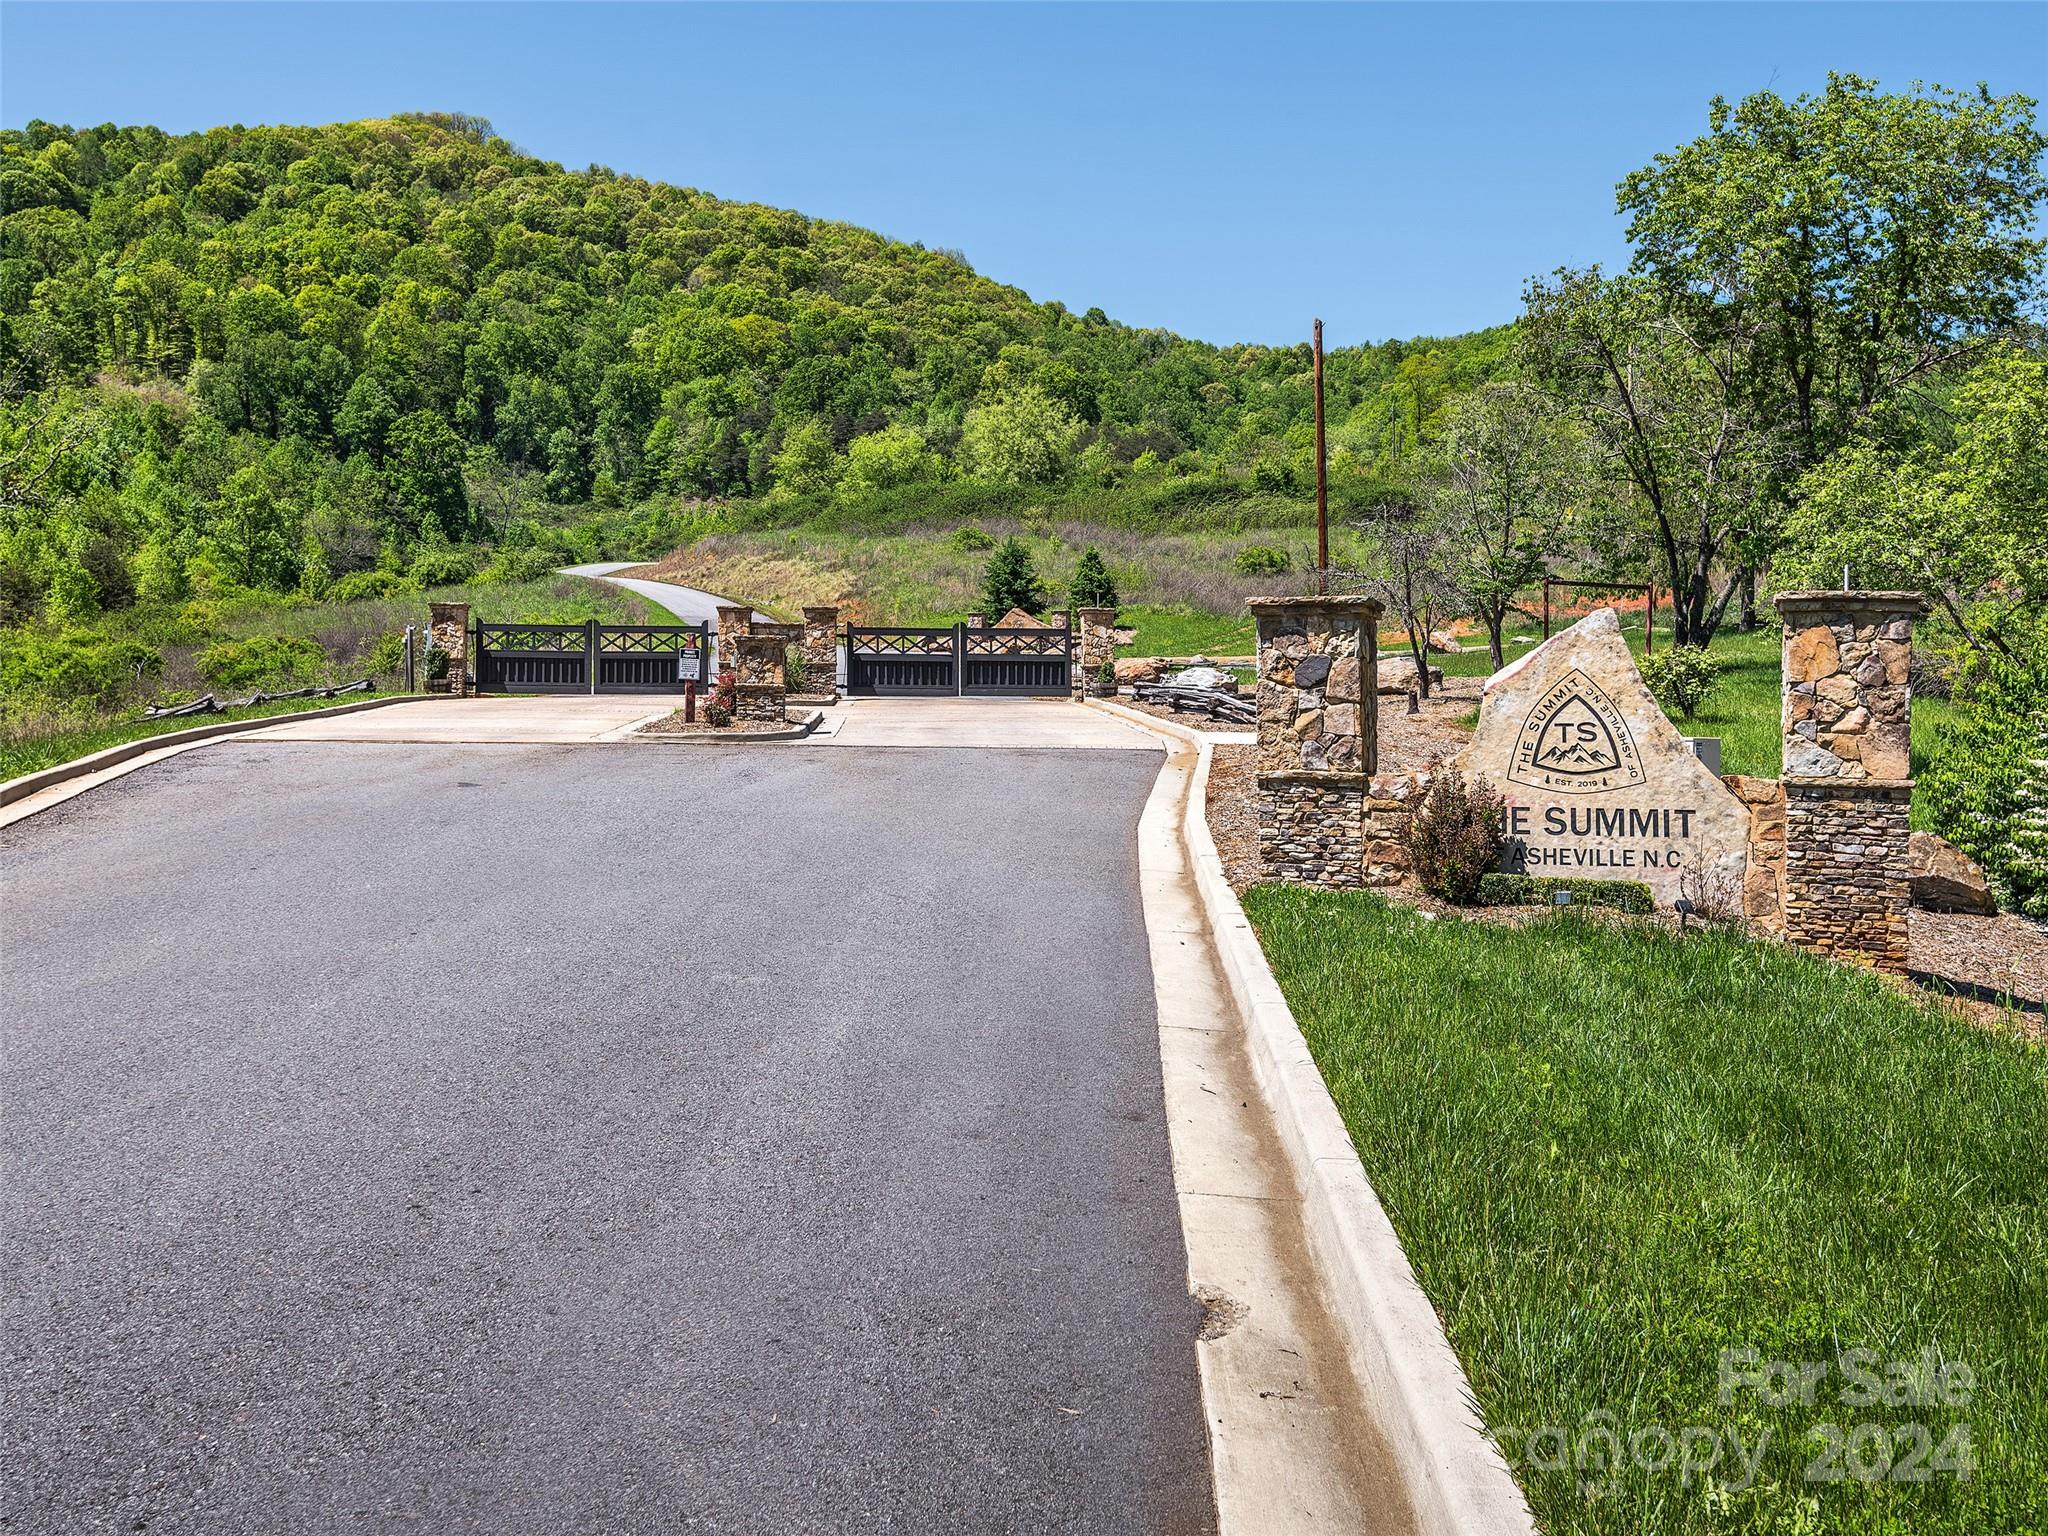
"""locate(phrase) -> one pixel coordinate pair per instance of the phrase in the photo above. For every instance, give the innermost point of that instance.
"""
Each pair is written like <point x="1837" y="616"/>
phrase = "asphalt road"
<point x="688" y="604"/>
<point x="589" y="1139"/>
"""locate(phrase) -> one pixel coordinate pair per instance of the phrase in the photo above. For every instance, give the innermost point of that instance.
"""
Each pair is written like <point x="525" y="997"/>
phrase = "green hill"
<point x="267" y="358"/>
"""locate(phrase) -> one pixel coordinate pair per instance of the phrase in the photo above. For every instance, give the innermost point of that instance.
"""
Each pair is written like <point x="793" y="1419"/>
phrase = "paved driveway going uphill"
<point x="602" y="1138"/>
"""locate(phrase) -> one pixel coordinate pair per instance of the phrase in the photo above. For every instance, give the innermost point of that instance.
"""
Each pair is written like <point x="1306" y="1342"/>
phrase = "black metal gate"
<point x="590" y="657"/>
<point x="959" y="661"/>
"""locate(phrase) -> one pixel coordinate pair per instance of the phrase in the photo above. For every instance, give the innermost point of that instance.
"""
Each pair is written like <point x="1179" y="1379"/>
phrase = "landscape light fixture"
<point x="1561" y="898"/>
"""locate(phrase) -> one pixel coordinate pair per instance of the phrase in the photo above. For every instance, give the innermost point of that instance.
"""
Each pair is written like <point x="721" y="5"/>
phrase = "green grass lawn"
<point x="1614" y="1152"/>
<point x="1179" y="630"/>
<point x="32" y="753"/>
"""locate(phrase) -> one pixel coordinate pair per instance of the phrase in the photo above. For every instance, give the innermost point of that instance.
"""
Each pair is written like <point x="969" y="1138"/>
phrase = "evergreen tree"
<point x="1093" y="587"/>
<point x="1010" y="580"/>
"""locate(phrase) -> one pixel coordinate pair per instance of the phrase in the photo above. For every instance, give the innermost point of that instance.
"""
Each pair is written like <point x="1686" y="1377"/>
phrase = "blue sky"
<point x="1227" y="171"/>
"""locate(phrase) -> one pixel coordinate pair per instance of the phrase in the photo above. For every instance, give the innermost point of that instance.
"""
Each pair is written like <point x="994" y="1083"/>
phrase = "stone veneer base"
<point x="1312" y="828"/>
<point x="1848" y="889"/>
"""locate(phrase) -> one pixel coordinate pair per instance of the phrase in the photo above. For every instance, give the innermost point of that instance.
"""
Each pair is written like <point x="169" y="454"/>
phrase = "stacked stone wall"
<point x="1311" y="828"/>
<point x="1847" y="889"/>
<point x="1390" y="803"/>
<point x="1763" y="880"/>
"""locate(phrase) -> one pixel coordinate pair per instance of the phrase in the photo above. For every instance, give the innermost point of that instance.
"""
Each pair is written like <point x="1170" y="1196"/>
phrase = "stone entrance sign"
<point x="1599" y="784"/>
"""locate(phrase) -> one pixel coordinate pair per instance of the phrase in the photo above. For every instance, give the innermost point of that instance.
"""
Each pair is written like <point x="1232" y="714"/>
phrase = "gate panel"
<point x="1022" y="662"/>
<point x="901" y="661"/>
<point x="532" y="658"/>
<point x="650" y="658"/>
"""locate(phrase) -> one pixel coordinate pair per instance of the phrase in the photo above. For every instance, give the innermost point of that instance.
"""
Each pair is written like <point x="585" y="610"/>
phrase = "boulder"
<point x="1946" y="879"/>
<point x="1598" y="782"/>
<point x="1138" y="669"/>
<point x="1205" y="677"/>
<point x="1397" y="675"/>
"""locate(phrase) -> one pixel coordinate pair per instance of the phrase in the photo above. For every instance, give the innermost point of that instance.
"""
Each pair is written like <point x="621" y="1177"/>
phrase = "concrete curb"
<point x="29" y="783"/>
<point x="796" y="732"/>
<point x="1458" y="1482"/>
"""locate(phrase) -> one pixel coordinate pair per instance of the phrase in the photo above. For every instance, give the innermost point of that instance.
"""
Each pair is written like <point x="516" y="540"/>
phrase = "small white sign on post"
<point x="689" y="667"/>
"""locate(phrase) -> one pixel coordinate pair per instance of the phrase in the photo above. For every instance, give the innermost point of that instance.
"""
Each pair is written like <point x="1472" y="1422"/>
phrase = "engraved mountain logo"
<point x="1576" y="741"/>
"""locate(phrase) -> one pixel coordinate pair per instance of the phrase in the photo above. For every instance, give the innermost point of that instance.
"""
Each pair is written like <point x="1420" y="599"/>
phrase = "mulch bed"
<point x="673" y="725"/>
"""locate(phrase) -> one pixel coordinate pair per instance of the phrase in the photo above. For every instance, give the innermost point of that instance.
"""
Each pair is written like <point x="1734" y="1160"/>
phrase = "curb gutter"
<point x="1458" y="1482"/>
<point x="29" y="783"/>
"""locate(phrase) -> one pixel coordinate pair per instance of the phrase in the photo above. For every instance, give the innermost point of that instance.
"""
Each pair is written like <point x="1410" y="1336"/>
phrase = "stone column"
<point x="821" y="650"/>
<point x="1848" y="726"/>
<point x="1318" y="735"/>
<point x="448" y="628"/>
<point x="760" y="692"/>
<point x="734" y="622"/>
<point x="1094" y="643"/>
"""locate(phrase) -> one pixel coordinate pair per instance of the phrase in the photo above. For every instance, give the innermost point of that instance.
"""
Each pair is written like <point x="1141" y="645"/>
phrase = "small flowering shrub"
<point x="724" y="701"/>
<point x="1457" y="837"/>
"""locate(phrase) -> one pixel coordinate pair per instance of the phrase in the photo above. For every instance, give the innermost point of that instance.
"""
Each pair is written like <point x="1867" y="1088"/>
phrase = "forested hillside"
<point x="271" y="357"/>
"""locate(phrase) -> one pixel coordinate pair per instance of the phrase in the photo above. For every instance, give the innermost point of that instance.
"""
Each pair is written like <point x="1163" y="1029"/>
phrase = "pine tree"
<point x="1009" y="581"/>
<point x="1093" y="587"/>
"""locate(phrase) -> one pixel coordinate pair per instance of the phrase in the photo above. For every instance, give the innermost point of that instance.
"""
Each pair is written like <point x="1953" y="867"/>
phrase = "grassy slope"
<point x="346" y="632"/>
<point x="1611" y="1153"/>
<point x="29" y="754"/>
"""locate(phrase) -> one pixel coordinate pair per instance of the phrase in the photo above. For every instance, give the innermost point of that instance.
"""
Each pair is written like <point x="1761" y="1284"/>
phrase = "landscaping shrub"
<point x="1261" y="560"/>
<point x="724" y="702"/>
<point x="796" y="669"/>
<point x="511" y="565"/>
<point x="1682" y="678"/>
<point x="971" y="540"/>
<point x="1457" y="837"/>
<point x="261" y="660"/>
<point x="1497" y="889"/>
<point x="443" y="567"/>
<point x="358" y="585"/>
<point x="386" y="655"/>
<point x="42" y="673"/>
<point x="1986" y="790"/>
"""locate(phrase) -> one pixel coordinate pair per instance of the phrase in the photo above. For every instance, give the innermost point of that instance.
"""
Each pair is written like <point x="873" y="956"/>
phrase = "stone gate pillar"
<point x="734" y="621"/>
<point x="821" y="650"/>
<point x="1094" y="643"/>
<point x="1848" y="726"/>
<point x="760" y="691"/>
<point x="1318" y="734"/>
<point x="448" y="628"/>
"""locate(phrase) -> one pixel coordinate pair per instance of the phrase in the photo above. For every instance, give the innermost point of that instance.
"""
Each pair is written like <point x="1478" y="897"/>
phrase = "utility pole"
<point x="1322" y="481"/>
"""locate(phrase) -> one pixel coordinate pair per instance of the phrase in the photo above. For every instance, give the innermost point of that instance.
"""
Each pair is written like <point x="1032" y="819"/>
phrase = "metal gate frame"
<point x="956" y="662"/>
<point x="589" y="657"/>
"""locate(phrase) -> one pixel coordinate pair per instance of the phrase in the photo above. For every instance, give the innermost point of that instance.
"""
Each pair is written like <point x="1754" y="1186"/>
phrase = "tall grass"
<point x="1613" y="1152"/>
